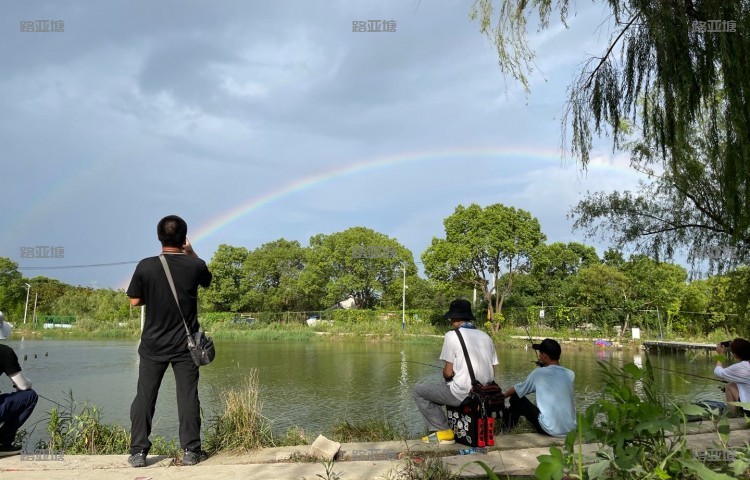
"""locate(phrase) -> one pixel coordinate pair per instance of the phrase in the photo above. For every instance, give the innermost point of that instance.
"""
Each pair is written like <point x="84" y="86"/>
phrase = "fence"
<point x="56" y="319"/>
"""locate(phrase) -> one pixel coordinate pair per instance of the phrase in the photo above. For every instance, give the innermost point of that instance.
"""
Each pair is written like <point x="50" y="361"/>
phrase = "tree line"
<point x="497" y="251"/>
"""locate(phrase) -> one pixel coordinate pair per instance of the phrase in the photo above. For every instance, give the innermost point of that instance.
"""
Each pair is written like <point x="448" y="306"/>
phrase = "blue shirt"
<point x="553" y="385"/>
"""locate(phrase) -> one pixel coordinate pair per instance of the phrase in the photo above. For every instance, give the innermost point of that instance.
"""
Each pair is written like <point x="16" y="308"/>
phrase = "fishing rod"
<point x="689" y="374"/>
<point x="410" y="361"/>
<point x="531" y="342"/>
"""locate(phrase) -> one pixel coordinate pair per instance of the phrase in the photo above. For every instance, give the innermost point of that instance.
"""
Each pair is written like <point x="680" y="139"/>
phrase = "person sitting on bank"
<point x="15" y="407"/>
<point x="431" y="398"/>
<point x="555" y="414"/>
<point x="737" y="374"/>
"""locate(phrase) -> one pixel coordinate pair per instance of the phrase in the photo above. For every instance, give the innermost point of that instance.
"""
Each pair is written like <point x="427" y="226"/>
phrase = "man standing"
<point x="432" y="397"/>
<point x="164" y="340"/>
<point x="555" y="414"/>
<point x="15" y="407"/>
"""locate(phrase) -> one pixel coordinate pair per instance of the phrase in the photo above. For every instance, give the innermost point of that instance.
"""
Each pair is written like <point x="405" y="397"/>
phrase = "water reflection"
<point x="315" y="384"/>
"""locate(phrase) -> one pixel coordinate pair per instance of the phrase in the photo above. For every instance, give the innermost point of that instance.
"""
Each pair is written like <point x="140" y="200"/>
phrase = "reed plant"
<point x="78" y="429"/>
<point x="240" y="427"/>
<point x="370" y="430"/>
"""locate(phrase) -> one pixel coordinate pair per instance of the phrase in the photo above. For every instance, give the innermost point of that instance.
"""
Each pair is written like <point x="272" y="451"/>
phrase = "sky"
<point x="259" y="120"/>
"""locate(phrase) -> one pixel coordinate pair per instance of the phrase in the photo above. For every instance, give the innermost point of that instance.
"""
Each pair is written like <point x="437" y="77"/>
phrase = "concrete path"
<point x="512" y="455"/>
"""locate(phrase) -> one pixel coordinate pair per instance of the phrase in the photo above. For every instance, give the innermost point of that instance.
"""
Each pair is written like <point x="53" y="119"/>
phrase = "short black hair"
<point x="550" y="347"/>
<point x="172" y="231"/>
<point x="740" y="348"/>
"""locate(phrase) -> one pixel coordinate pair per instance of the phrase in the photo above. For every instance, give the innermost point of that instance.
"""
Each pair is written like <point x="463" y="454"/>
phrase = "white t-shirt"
<point x="738" y="373"/>
<point x="553" y="385"/>
<point x="481" y="352"/>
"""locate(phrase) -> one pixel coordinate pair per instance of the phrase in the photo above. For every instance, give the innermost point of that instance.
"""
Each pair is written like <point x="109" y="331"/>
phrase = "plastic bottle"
<point x="472" y="451"/>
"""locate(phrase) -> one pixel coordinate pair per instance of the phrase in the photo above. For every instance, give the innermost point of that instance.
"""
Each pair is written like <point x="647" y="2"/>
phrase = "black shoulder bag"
<point x="201" y="347"/>
<point x="490" y="396"/>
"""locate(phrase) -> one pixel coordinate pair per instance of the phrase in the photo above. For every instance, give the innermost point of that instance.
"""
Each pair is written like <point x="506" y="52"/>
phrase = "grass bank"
<point x="365" y="328"/>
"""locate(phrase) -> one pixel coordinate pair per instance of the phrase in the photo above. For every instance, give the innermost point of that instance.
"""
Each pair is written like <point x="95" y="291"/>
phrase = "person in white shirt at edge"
<point x="737" y="374"/>
<point x="432" y="397"/>
<point x="15" y="407"/>
<point x="555" y="413"/>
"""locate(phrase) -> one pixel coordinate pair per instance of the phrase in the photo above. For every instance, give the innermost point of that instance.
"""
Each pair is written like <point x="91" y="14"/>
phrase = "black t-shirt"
<point x="163" y="337"/>
<point x="8" y="361"/>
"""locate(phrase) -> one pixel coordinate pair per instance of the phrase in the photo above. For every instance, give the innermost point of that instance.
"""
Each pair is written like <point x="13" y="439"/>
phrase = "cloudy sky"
<point x="257" y="120"/>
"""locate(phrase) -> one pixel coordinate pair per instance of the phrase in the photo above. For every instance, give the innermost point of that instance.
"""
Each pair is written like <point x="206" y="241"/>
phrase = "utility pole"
<point x="403" y="301"/>
<point x="36" y="297"/>
<point x="26" y="309"/>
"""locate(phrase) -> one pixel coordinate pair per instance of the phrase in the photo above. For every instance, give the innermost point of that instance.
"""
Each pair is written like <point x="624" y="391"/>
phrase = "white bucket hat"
<point x="5" y="327"/>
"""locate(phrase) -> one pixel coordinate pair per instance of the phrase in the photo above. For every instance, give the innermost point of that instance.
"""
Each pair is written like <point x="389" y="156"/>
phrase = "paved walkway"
<point x="512" y="455"/>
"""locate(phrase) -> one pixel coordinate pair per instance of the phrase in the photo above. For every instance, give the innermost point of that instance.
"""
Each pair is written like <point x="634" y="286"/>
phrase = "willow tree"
<point x="672" y="69"/>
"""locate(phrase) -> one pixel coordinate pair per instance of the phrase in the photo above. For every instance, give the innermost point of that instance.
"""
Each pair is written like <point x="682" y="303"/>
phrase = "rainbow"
<point x="528" y="156"/>
<point x="517" y="154"/>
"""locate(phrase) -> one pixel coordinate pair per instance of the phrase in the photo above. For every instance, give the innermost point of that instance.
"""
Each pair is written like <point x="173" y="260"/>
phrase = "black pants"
<point x="15" y="409"/>
<point x="522" y="407"/>
<point x="150" y="374"/>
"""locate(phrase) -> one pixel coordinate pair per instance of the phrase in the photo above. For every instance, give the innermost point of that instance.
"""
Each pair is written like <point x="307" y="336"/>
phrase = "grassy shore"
<point x="389" y="330"/>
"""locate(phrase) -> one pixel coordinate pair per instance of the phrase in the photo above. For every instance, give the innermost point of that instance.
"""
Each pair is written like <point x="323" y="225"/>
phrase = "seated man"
<point x="16" y="407"/>
<point x="432" y="397"/>
<point x="737" y="374"/>
<point x="556" y="414"/>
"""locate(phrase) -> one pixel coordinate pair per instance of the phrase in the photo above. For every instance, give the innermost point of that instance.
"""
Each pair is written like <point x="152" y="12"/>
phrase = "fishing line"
<point x="56" y="403"/>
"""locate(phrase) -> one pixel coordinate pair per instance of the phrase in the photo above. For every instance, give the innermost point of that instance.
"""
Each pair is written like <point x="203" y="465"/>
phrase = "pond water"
<point x="312" y="384"/>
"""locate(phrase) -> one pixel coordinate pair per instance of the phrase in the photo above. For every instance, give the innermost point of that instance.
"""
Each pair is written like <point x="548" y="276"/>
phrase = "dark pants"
<point x="522" y="407"/>
<point x="15" y="409"/>
<point x="150" y="374"/>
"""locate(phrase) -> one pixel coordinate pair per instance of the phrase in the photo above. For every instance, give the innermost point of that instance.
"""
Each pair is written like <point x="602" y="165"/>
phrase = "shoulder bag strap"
<point x="466" y="355"/>
<point x="174" y="292"/>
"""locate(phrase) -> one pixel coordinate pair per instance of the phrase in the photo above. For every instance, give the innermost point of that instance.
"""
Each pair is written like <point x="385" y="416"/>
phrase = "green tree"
<point x="553" y="264"/>
<point x="740" y="297"/>
<point x="225" y="292"/>
<point x="357" y="262"/>
<point x="693" y="314"/>
<point x="652" y="286"/>
<point x="47" y="291"/>
<point x="640" y="290"/>
<point x="683" y="90"/>
<point x="484" y="249"/>
<point x="270" y="278"/>
<point x="599" y="291"/>
<point x="12" y="290"/>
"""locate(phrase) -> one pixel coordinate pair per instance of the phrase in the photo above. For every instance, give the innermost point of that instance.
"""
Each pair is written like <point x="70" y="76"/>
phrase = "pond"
<point x="313" y="384"/>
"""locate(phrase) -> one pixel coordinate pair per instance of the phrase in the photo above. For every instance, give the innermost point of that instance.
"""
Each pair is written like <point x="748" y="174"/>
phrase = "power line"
<point x="79" y="266"/>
